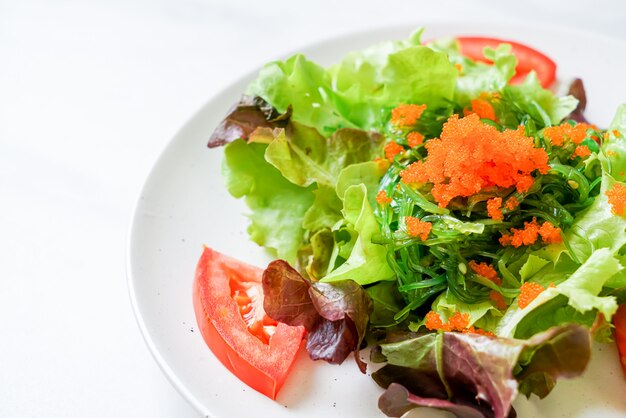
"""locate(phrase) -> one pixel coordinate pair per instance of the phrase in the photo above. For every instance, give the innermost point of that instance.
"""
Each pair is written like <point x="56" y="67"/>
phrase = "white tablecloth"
<point x="90" y="93"/>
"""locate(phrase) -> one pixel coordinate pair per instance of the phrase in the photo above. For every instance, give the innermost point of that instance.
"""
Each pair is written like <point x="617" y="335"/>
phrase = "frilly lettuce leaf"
<point x="305" y="157"/>
<point x="540" y="104"/>
<point x="597" y="227"/>
<point x="278" y="206"/>
<point x="476" y="376"/>
<point x="478" y="77"/>
<point x="360" y="91"/>
<point x="581" y="285"/>
<point x="367" y="262"/>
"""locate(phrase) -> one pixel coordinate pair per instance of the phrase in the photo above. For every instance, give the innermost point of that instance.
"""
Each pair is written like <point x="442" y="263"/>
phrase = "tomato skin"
<point x="619" y="320"/>
<point x="528" y="58"/>
<point x="264" y="367"/>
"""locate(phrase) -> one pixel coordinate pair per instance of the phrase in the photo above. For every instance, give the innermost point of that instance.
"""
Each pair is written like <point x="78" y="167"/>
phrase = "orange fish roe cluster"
<point x="472" y="330"/>
<point x="392" y="149"/>
<point x="417" y="228"/>
<point x="581" y="151"/>
<point x="485" y="270"/>
<point x="471" y="155"/>
<point x="530" y="233"/>
<point x="528" y="292"/>
<point x="550" y="234"/>
<point x="433" y="321"/>
<point x="382" y="164"/>
<point x="611" y="153"/>
<point x="407" y="115"/>
<point x="457" y="322"/>
<point x="493" y="208"/>
<point x="482" y="108"/>
<point x="512" y="203"/>
<point x="617" y="199"/>
<point x="414" y="139"/>
<point x="382" y="198"/>
<point x="497" y="299"/>
<point x="576" y="133"/>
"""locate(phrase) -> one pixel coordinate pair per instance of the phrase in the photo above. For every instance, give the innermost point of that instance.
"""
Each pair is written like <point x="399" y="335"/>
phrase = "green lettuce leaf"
<point x="278" y="206"/>
<point x="597" y="227"/>
<point x="540" y="104"/>
<point x="325" y="211"/>
<point x="615" y="147"/>
<point x="581" y="285"/>
<point x="305" y="157"/>
<point x="360" y="91"/>
<point x="367" y="262"/>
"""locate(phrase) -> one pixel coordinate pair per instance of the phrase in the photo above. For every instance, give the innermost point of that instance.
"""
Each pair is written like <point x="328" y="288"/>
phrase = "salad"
<point x="434" y="202"/>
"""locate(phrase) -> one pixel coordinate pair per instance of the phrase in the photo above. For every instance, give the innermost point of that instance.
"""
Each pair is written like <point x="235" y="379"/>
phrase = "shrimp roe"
<point x="415" y="139"/>
<point x="581" y="151"/>
<point x="528" y="292"/>
<point x="511" y="203"/>
<point x="497" y="299"/>
<point x="392" y="149"/>
<point x="433" y="321"/>
<point x="482" y="108"/>
<point x="530" y="233"/>
<point x="617" y="199"/>
<point x="494" y="206"/>
<point x="407" y="114"/>
<point x="470" y="156"/>
<point x="576" y="133"/>
<point x="485" y="270"/>
<point x="382" y="198"/>
<point x="418" y="228"/>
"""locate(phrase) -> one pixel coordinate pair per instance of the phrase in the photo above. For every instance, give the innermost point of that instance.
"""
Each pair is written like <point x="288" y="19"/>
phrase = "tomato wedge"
<point x="619" y="320"/>
<point x="228" y="302"/>
<point x="528" y="58"/>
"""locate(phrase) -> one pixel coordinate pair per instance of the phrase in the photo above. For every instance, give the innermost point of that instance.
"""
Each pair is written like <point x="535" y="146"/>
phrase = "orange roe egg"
<point x="581" y="151"/>
<point x="458" y="67"/>
<point x="482" y="108"/>
<point x="417" y="228"/>
<point x="382" y="198"/>
<point x="498" y="300"/>
<point x="471" y="155"/>
<point x="457" y="322"/>
<point x="611" y="153"/>
<point x="617" y="199"/>
<point x="526" y="236"/>
<point x="493" y="208"/>
<point x="485" y="270"/>
<point x="528" y="292"/>
<point x="558" y="134"/>
<point x="511" y="203"/>
<point x="392" y="149"/>
<point x="382" y="164"/>
<point x="550" y="234"/>
<point x="407" y="115"/>
<point x="433" y="321"/>
<point x="414" y="139"/>
<point x="472" y="330"/>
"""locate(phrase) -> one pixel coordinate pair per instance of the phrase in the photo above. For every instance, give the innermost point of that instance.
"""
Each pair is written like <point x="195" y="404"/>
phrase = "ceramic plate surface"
<point x="184" y="205"/>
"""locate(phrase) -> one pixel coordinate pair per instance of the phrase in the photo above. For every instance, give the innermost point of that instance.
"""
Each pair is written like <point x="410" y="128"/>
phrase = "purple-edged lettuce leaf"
<point x="244" y="117"/>
<point x="472" y="376"/>
<point x="335" y="315"/>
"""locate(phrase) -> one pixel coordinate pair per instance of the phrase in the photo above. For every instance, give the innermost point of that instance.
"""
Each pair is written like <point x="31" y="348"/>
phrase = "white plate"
<point x="184" y="205"/>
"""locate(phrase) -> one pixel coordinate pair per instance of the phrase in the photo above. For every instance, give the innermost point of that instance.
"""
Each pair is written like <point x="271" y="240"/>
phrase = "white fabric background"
<point x="90" y="93"/>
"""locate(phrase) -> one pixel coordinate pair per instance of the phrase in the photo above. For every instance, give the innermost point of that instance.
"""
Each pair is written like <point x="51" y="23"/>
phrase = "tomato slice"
<point x="619" y="320"/>
<point x="228" y="302"/>
<point x="528" y="58"/>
